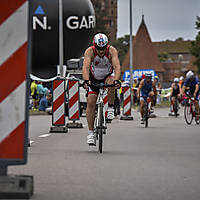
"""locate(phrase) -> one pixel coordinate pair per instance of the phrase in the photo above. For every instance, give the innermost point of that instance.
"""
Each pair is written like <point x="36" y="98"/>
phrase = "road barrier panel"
<point x="73" y="103"/>
<point x="58" y="107"/>
<point x="126" y="104"/>
<point x="14" y="98"/>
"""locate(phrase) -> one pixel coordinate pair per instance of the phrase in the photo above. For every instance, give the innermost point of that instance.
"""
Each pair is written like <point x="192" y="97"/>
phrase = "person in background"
<point x="175" y="93"/>
<point x="44" y="103"/>
<point x="34" y="94"/>
<point x="145" y="90"/>
<point x="135" y="90"/>
<point x="157" y="90"/>
<point x="40" y="90"/>
<point x="181" y="81"/>
<point x="191" y="83"/>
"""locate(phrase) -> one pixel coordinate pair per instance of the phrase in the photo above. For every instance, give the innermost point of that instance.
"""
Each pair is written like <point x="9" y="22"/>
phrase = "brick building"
<point x="145" y="55"/>
<point x="109" y="7"/>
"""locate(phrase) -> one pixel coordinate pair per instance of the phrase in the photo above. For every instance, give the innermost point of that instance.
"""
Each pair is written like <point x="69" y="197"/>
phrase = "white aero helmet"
<point x="181" y="78"/>
<point x="176" y="80"/>
<point x="189" y="75"/>
<point x="100" y="41"/>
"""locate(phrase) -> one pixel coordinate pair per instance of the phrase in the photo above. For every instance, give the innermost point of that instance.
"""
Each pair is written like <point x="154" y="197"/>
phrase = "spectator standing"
<point x="41" y="90"/>
<point x="34" y="94"/>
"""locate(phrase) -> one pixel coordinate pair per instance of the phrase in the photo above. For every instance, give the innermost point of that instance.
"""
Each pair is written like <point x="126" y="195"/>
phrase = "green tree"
<point x="122" y="45"/>
<point x="163" y="56"/>
<point x="195" y="49"/>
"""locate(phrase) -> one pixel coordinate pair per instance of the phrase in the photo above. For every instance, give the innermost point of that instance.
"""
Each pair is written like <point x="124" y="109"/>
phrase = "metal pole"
<point x="131" y="53"/>
<point x="61" y="38"/>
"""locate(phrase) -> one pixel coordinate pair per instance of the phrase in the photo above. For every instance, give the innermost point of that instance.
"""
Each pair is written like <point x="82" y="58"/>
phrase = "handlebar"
<point x="101" y="85"/>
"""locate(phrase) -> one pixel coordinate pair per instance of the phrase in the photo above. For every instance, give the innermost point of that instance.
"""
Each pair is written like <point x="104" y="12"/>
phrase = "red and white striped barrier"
<point x="58" y="116"/>
<point x="13" y="84"/>
<point x="74" y="104"/>
<point x="105" y="101"/>
<point x="73" y="94"/>
<point x="126" y="103"/>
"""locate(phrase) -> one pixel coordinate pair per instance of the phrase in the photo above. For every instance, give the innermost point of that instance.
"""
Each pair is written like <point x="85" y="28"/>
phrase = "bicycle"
<point x="175" y="106"/>
<point x="189" y="110"/>
<point x="100" y="121"/>
<point x="147" y="110"/>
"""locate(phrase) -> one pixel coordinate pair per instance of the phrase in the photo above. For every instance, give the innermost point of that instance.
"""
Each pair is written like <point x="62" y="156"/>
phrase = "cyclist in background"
<point x="99" y="61"/>
<point x="175" y="91"/>
<point x="145" y="89"/>
<point x="181" y="81"/>
<point x="191" y="83"/>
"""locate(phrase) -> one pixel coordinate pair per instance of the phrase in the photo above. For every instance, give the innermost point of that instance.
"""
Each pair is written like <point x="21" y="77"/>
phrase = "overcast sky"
<point x="165" y="19"/>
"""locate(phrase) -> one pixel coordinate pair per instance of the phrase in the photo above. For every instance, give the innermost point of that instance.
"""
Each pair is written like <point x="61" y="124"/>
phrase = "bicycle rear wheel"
<point x="188" y="114"/>
<point x="176" y="108"/>
<point x="101" y="129"/>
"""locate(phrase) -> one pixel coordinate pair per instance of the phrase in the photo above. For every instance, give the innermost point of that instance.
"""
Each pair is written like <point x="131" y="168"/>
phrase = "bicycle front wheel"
<point x="101" y="128"/>
<point x="146" y="117"/>
<point x="188" y="114"/>
<point x="197" y="120"/>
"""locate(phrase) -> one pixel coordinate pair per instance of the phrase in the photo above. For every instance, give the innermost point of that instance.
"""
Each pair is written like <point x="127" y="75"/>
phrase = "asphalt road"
<point x="161" y="162"/>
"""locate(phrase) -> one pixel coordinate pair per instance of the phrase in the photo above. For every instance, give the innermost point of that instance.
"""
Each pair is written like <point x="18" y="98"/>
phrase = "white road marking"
<point x="45" y="135"/>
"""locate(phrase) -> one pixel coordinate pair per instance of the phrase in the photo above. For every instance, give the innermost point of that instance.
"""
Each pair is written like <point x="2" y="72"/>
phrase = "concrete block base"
<point x="74" y="125"/>
<point x="58" y="129"/>
<point x="126" y="117"/>
<point x="16" y="187"/>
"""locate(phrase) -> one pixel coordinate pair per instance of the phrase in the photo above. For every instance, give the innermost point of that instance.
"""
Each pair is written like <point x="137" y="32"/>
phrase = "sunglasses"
<point x="100" y="48"/>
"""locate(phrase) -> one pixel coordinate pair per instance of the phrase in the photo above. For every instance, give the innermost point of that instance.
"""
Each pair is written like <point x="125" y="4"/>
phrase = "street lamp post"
<point x="131" y="52"/>
<point x="61" y="71"/>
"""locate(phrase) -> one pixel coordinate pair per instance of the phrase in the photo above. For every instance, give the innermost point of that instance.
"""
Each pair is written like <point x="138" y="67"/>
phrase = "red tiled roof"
<point x="173" y="46"/>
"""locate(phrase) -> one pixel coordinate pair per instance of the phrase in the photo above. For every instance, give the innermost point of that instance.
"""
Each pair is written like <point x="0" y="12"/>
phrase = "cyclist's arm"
<point x="86" y="63"/>
<point x="115" y="63"/>
<point x="140" y="87"/>
<point x="172" y="87"/>
<point x="154" y="88"/>
<point x="196" y="89"/>
<point x="183" y="90"/>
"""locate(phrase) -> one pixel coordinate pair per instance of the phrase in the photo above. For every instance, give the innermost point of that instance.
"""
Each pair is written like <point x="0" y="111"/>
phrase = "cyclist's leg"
<point x="152" y="95"/>
<point x="111" y="90"/>
<point x="111" y="97"/>
<point x="90" y="115"/>
<point x="90" y="111"/>
<point x="142" y="107"/>
<point x="196" y="104"/>
<point x="172" y="102"/>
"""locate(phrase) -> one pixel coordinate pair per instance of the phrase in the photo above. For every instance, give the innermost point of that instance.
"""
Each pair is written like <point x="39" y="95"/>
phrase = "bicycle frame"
<point x="99" y="102"/>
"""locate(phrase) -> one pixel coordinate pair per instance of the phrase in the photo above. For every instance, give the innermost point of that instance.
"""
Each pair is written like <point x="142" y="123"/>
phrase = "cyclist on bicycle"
<point x="99" y="62"/>
<point x="145" y="90"/>
<point x="191" y="83"/>
<point x="175" y="91"/>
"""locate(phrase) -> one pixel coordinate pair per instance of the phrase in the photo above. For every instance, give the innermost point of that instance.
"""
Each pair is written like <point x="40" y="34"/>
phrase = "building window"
<point x="111" y="23"/>
<point x="112" y="12"/>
